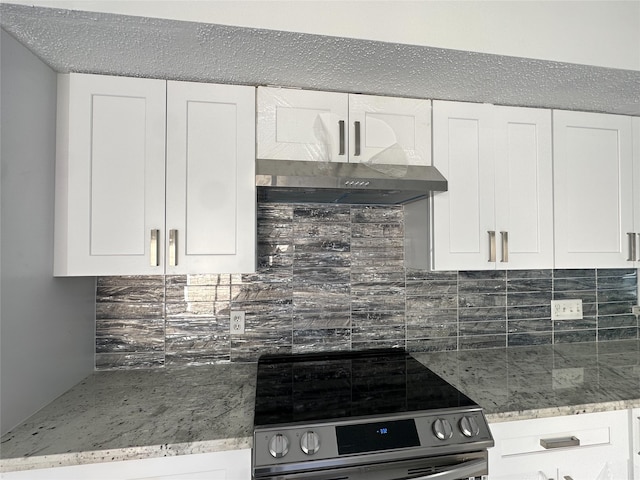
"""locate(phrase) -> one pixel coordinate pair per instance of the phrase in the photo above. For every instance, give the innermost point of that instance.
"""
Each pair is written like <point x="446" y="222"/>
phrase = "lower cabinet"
<point x="592" y="446"/>
<point x="228" y="465"/>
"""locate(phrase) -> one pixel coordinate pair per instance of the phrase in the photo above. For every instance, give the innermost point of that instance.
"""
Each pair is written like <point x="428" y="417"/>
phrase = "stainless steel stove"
<point x="374" y="414"/>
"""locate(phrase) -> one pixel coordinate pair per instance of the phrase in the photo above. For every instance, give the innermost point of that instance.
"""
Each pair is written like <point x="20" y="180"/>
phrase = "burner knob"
<point x="469" y="426"/>
<point x="278" y="445"/>
<point x="310" y="442"/>
<point x="442" y="429"/>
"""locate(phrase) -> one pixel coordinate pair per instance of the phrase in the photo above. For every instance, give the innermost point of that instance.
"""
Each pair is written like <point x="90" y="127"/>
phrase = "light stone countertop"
<point x="125" y="415"/>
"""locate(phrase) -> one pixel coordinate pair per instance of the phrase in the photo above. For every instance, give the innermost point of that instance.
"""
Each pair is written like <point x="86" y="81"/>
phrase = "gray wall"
<point x="46" y="324"/>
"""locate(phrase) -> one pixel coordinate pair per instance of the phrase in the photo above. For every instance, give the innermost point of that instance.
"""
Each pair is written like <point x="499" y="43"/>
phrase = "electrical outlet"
<point x="635" y="309"/>
<point x="237" y="322"/>
<point x="566" y="309"/>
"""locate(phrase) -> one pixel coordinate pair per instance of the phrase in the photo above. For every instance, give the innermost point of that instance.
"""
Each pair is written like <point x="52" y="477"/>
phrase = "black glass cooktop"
<point x="339" y="385"/>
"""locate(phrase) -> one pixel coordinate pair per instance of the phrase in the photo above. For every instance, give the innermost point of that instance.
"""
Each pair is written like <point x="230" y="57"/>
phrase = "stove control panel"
<point x="446" y="430"/>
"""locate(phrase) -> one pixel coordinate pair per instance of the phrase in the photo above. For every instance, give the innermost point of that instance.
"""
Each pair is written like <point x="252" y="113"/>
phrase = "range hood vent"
<point x="291" y="181"/>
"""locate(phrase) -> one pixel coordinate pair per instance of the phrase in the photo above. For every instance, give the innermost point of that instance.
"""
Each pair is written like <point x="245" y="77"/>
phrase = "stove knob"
<point x="310" y="442"/>
<point x="469" y="426"/>
<point x="278" y="445"/>
<point x="442" y="429"/>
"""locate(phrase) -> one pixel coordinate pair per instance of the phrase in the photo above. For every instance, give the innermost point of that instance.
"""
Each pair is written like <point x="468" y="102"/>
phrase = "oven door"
<point x="447" y="467"/>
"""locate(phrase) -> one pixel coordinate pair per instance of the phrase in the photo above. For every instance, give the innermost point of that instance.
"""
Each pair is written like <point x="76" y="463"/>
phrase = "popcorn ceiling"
<point x="79" y="41"/>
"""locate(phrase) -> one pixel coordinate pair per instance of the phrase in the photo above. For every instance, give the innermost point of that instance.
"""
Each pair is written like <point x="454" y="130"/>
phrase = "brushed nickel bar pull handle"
<point x="342" y="135"/>
<point x="632" y="247"/>
<point x="154" y="259"/>
<point x="173" y="246"/>
<point x="568" y="477"/>
<point x="492" y="245"/>
<point x="505" y="246"/>
<point x="357" y="127"/>
<point x="561" y="442"/>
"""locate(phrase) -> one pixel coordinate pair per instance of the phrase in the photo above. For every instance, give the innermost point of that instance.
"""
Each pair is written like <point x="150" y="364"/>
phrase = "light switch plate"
<point x="566" y="309"/>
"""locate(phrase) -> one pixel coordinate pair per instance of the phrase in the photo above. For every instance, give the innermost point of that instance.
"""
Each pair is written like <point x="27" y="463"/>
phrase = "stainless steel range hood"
<point x="290" y="181"/>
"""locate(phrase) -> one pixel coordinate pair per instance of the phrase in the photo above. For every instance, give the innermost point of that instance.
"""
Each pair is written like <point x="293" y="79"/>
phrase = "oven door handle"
<point x="463" y="470"/>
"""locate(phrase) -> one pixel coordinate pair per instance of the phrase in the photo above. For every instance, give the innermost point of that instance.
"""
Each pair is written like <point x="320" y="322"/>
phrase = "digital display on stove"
<point x="370" y="437"/>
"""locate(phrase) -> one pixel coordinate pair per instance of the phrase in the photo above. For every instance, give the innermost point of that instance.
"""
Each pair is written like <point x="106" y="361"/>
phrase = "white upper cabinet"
<point x="115" y="155"/>
<point x="341" y="127"/>
<point x="211" y="200"/>
<point x="497" y="212"/>
<point x="593" y="188"/>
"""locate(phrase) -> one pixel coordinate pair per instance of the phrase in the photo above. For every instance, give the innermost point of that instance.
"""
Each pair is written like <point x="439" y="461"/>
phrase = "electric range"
<point x="374" y="414"/>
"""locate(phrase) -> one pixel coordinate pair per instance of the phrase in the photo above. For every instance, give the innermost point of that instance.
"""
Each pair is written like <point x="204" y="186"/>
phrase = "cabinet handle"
<point x="632" y="247"/>
<point x="561" y="442"/>
<point x="341" y="130"/>
<point x="505" y="246"/>
<point x="154" y="259"/>
<point x="492" y="245"/>
<point x="357" y="126"/>
<point x="568" y="477"/>
<point x="173" y="245"/>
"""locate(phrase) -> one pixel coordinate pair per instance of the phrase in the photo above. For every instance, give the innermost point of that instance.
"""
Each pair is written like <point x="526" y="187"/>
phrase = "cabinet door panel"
<point x="301" y="125"/>
<point x="463" y="215"/>
<point x="109" y="174"/>
<point x="210" y="178"/>
<point x="524" y="189"/>
<point x="593" y="189"/>
<point x="394" y="131"/>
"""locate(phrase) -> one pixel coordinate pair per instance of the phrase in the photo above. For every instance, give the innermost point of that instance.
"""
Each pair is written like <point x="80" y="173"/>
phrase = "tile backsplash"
<point x="333" y="277"/>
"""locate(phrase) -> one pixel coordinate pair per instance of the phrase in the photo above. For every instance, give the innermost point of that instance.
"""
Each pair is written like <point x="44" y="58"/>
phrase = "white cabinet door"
<point x="462" y="216"/>
<point x="302" y="125"/>
<point x="109" y="174"/>
<point x="389" y="131"/>
<point x="210" y="210"/>
<point x="340" y="127"/>
<point x="121" y="141"/>
<point x="524" y="188"/>
<point x="596" y="443"/>
<point x="593" y="189"/>
<point x="497" y="212"/>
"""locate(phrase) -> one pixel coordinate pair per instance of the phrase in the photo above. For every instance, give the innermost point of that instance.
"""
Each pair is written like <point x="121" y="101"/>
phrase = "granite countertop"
<point x="123" y="415"/>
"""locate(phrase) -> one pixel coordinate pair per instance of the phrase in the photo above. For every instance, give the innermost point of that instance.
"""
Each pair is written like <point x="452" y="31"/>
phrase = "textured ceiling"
<point x="78" y="41"/>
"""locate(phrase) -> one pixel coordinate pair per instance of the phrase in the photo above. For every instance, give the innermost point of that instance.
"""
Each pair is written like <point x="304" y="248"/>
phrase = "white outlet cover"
<point x="236" y="325"/>
<point x="566" y="309"/>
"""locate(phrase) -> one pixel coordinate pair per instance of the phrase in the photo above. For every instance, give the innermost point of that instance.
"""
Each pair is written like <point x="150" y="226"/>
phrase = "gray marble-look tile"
<point x="482" y="313"/>
<point x="110" y="310"/>
<point x="574" y="284"/>
<point x="619" y="295"/>
<point x="574" y="336"/>
<point x="377" y="214"/>
<point x="529" y="325"/>
<point x="130" y="335"/>
<point x="529" y="298"/>
<point x="474" y="342"/>
<point x="617" y="321"/>
<point x="481" y="274"/>
<point x="529" y="274"/>
<point x="126" y="361"/>
<point x="530" y="338"/>
<point x="466" y="300"/>
<point x="605" y="334"/>
<point x="131" y="280"/>
<point x="574" y="273"/>
<point x="482" y="328"/>
<point x="373" y="333"/>
<point x="529" y="285"/>
<point x="432" y="344"/>
<point x="130" y="294"/>
<point x="426" y="303"/>
<point x="304" y="213"/>
<point x="529" y="312"/>
<point x="364" y="319"/>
